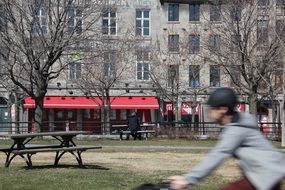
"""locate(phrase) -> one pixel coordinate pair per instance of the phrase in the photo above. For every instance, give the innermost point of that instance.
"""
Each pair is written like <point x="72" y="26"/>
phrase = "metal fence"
<point x="197" y="130"/>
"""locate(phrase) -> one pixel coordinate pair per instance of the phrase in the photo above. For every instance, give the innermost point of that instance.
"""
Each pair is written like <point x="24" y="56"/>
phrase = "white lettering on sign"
<point x="144" y="2"/>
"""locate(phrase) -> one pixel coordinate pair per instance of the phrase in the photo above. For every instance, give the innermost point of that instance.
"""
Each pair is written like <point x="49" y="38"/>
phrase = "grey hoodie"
<point x="259" y="161"/>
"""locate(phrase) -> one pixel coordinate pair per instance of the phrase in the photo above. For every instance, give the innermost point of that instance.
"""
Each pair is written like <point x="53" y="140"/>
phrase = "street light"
<point x="172" y="77"/>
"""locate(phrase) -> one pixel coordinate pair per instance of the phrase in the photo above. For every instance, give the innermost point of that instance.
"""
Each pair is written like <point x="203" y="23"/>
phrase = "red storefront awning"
<point x="82" y="102"/>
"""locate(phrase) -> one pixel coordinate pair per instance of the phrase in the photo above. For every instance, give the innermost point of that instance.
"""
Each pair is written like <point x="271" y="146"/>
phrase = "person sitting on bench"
<point x="134" y="126"/>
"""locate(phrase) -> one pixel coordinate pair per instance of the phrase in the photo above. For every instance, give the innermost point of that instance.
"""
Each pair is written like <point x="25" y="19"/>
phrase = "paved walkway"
<point x="154" y="148"/>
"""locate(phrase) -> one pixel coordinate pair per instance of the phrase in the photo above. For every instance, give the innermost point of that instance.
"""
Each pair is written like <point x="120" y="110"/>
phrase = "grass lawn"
<point x="110" y="170"/>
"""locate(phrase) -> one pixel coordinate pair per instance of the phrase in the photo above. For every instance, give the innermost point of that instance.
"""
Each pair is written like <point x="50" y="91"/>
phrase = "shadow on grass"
<point x="68" y="166"/>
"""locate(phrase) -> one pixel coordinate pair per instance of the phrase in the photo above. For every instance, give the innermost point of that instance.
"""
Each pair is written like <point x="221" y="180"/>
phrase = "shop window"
<point x="69" y="114"/>
<point x="96" y="114"/>
<point x="112" y="114"/>
<point x="87" y="114"/>
<point x="59" y="114"/>
<point x="123" y="115"/>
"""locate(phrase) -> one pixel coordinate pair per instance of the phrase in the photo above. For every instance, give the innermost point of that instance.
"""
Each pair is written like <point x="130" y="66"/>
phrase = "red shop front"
<point x="83" y="113"/>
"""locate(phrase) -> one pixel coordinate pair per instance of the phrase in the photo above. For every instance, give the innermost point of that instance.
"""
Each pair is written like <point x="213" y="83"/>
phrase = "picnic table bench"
<point x="20" y="147"/>
<point x="143" y="132"/>
<point x="146" y="129"/>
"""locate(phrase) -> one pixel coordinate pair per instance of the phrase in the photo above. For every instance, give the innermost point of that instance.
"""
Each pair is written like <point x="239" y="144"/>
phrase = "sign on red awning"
<point x="185" y="109"/>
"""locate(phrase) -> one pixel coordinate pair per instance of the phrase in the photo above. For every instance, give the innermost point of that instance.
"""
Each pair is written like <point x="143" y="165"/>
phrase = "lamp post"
<point x="172" y="76"/>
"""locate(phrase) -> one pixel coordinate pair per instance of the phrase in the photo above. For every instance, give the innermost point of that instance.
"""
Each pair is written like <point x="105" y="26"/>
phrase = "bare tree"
<point x="105" y="68"/>
<point x="247" y="48"/>
<point x="176" y="71"/>
<point x="38" y="36"/>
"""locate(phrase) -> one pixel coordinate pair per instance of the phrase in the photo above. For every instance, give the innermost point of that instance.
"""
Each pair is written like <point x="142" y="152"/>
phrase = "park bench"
<point x="60" y="151"/>
<point x="144" y="133"/>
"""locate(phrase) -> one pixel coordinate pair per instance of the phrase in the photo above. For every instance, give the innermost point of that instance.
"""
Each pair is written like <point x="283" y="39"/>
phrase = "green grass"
<point x="67" y="178"/>
<point x="97" y="177"/>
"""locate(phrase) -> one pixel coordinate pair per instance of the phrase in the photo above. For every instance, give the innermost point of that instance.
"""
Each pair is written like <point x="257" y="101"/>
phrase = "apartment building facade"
<point x="171" y="72"/>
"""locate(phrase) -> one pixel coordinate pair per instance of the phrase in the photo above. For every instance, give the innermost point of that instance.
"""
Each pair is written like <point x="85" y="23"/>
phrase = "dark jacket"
<point x="134" y="123"/>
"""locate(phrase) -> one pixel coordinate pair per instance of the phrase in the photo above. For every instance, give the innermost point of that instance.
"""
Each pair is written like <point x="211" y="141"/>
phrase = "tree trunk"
<point x="39" y="113"/>
<point x="252" y="100"/>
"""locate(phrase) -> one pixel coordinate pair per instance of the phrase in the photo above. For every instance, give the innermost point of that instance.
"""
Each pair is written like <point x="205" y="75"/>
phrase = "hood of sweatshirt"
<point x="245" y="120"/>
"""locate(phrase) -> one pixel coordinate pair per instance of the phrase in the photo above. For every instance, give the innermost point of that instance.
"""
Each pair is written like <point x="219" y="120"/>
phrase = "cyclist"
<point x="262" y="166"/>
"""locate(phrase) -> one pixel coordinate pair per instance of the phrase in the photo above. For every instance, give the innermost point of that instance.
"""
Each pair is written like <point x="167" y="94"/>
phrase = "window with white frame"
<point x="262" y="32"/>
<point x="142" y="22"/>
<point x="214" y="42"/>
<point x="40" y="25"/>
<point x="215" y="12"/>
<point x="109" y="67"/>
<point x="74" y="70"/>
<point x="143" y="65"/>
<point x="280" y="29"/>
<point x="262" y="2"/>
<point x="173" y="12"/>
<point x="74" y="20"/>
<point x="194" y="12"/>
<point x="234" y="74"/>
<point x="280" y="2"/>
<point x="236" y="13"/>
<point x="214" y="76"/>
<point x="173" y="43"/>
<point x="194" y="43"/>
<point x="109" y="22"/>
<point x="194" y="76"/>
<point x="235" y="41"/>
<point x="173" y="75"/>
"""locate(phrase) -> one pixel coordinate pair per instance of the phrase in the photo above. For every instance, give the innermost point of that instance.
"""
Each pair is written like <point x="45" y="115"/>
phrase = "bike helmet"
<point x="223" y="97"/>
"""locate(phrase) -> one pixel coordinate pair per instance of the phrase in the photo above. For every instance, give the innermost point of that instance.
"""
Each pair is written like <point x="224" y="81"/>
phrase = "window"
<point x="173" y="74"/>
<point x="214" y="42"/>
<point x="280" y="2"/>
<point x="74" y="20"/>
<point x="279" y="78"/>
<point x="109" y="64"/>
<point x="173" y="43"/>
<point x="142" y="23"/>
<point x="262" y="2"/>
<point x="123" y="114"/>
<point x="194" y="12"/>
<point x="234" y="74"/>
<point x="214" y="76"/>
<point x="215" y="12"/>
<point x="40" y="21"/>
<point x="262" y="32"/>
<point x="143" y="65"/>
<point x="113" y="114"/>
<point x="280" y="29"/>
<point x="173" y="12"/>
<point x="109" y="23"/>
<point x="236" y="13"/>
<point x="235" y="40"/>
<point x="194" y="76"/>
<point x="74" y="70"/>
<point x="194" y="44"/>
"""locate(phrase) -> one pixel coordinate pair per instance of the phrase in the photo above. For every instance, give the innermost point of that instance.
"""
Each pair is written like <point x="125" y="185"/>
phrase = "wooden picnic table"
<point x="22" y="146"/>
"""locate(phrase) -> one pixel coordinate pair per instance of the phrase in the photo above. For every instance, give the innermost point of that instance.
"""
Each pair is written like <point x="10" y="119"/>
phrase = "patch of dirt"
<point x="146" y="162"/>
